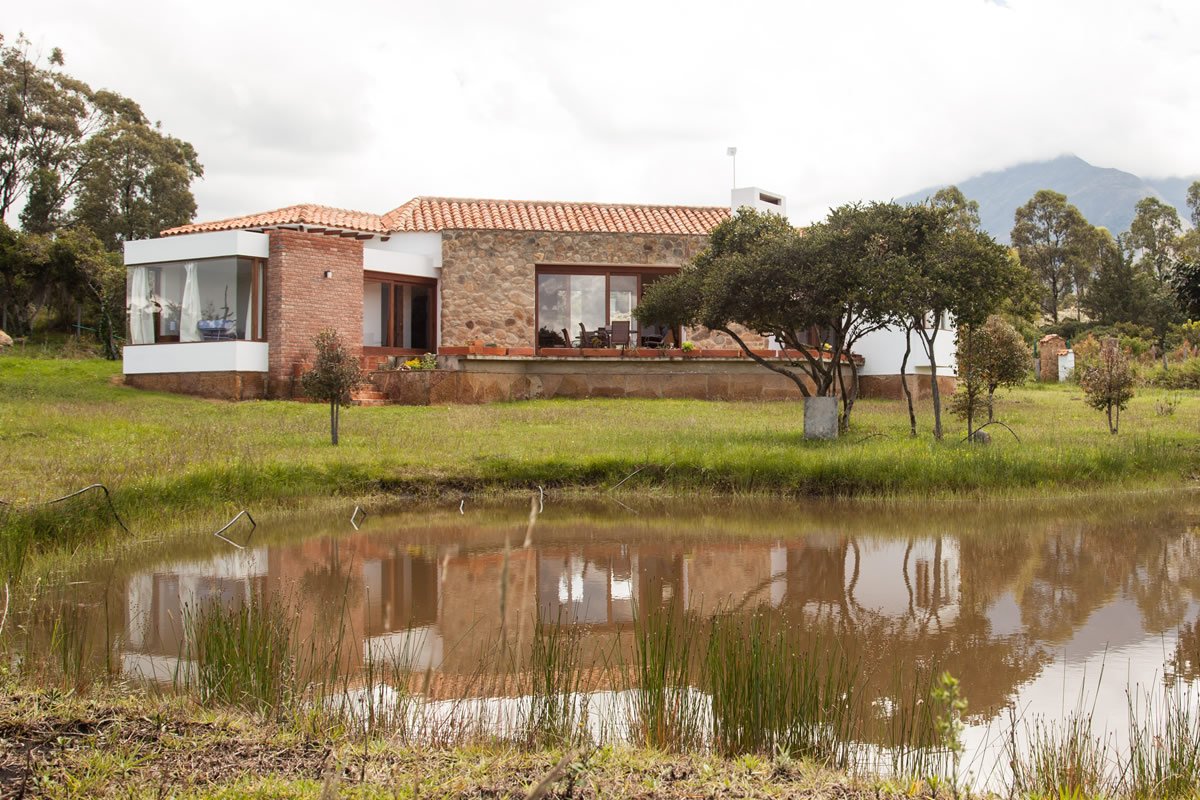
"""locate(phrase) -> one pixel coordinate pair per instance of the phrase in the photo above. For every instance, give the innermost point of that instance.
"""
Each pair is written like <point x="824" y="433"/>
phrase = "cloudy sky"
<point x="364" y="105"/>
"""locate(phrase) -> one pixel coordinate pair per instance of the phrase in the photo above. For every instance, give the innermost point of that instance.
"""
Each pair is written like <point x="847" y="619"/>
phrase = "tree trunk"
<point x="934" y="392"/>
<point x="991" y="396"/>
<point x="1109" y="409"/>
<point x="912" y="414"/>
<point x="333" y="421"/>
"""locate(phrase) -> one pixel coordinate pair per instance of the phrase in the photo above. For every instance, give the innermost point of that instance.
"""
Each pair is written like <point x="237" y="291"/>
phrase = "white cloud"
<point x="365" y="104"/>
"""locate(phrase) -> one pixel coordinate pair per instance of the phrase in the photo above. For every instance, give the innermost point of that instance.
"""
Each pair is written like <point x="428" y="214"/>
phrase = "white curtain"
<point x="189" y="313"/>
<point x="141" y="308"/>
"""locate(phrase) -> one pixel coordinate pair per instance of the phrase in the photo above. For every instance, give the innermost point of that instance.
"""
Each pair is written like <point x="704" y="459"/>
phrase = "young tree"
<point x="1051" y="237"/>
<point x="959" y="273"/>
<point x="335" y="375"/>
<point x="968" y="399"/>
<point x="1108" y="386"/>
<point x="1004" y="360"/>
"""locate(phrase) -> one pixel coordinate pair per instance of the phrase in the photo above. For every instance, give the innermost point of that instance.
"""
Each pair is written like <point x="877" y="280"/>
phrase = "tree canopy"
<point x="83" y="170"/>
<point x="1051" y="236"/>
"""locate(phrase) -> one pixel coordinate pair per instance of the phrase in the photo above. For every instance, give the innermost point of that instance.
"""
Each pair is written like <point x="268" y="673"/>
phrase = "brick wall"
<point x="1048" y="350"/>
<point x="301" y="301"/>
<point x="488" y="284"/>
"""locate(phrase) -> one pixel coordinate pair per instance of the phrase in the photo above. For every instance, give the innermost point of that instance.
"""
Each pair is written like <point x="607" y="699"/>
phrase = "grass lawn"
<point x="65" y="424"/>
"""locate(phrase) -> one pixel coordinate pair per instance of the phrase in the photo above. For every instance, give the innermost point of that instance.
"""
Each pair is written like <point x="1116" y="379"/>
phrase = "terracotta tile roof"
<point x="452" y="213"/>
<point x="431" y="214"/>
<point x="307" y="214"/>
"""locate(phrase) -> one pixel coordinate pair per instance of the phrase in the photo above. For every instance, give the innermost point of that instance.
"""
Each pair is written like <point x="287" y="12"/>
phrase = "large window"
<point x="581" y="304"/>
<point x="207" y="300"/>
<point x="399" y="314"/>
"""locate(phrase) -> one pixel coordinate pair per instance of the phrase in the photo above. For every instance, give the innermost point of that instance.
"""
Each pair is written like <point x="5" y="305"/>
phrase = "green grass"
<point x="66" y="423"/>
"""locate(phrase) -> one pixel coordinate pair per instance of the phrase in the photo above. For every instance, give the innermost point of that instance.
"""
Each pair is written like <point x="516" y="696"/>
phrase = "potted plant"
<point x="217" y="324"/>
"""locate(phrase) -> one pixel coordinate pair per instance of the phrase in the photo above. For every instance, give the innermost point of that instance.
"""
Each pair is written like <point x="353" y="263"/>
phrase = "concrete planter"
<point x="820" y="418"/>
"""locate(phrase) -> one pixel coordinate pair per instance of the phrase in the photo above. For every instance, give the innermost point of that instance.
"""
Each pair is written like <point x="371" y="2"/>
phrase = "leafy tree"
<point x="817" y="294"/>
<point x="1154" y="235"/>
<point x="1193" y="201"/>
<point x="80" y="156"/>
<point x="138" y="181"/>
<point x="1186" y="283"/>
<point x="1108" y="385"/>
<point x="958" y="272"/>
<point x="1119" y="292"/>
<point x="1050" y="236"/>
<point x="1003" y="358"/>
<point x="334" y="376"/>
<point x="45" y="117"/>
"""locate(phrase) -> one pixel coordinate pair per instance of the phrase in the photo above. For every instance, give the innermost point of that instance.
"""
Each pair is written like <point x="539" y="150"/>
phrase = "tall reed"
<point x="1060" y="758"/>
<point x="668" y="708"/>
<point x="1163" y="758"/>
<point x="240" y="656"/>
<point x="770" y="696"/>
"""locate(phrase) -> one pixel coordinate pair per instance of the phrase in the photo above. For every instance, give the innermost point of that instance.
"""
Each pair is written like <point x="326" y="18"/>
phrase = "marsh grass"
<point x="668" y="709"/>
<point x="771" y="694"/>
<point x="1163" y="757"/>
<point x="1060" y="758"/>
<point x="241" y="656"/>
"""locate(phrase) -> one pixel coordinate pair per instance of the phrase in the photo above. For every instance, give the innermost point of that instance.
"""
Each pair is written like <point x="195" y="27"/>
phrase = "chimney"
<point x="759" y="200"/>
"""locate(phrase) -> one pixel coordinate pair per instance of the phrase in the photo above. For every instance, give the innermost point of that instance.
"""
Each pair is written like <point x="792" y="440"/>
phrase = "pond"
<point x="1047" y="612"/>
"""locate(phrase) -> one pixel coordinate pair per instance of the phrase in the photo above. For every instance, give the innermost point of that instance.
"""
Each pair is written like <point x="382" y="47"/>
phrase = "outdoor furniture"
<point x="620" y="334"/>
<point x="596" y="338"/>
<point x="566" y="338"/>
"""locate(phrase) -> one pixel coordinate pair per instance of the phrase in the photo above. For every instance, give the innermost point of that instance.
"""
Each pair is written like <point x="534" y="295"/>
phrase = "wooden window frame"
<point x="395" y="282"/>
<point x="608" y="271"/>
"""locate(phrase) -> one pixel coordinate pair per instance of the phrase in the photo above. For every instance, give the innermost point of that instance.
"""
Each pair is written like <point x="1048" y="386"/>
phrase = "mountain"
<point x="1105" y="196"/>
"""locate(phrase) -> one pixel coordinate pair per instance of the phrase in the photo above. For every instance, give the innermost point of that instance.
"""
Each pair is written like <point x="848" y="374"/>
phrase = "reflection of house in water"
<point x="156" y="601"/>
<point x="439" y="607"/>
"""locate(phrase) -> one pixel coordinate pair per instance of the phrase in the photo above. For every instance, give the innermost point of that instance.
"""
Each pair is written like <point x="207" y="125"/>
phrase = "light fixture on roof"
<point x="732" y="153"/>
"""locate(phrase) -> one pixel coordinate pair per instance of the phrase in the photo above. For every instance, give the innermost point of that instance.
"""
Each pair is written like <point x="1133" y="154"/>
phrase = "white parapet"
<point x="231" y="356"/>
<point x="194" y="246"/>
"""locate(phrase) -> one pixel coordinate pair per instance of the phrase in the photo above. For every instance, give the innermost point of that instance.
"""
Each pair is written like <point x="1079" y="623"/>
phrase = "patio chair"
<point x="566" y="338"/>
<point x="619" y="335"/>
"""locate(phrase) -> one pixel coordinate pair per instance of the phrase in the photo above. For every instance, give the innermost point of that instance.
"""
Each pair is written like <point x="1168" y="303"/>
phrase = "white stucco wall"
<point x="197" y="245"/>
<point x="424" y="251"/>
<point x="883" y="350"/>
<point x="230" y="356"/>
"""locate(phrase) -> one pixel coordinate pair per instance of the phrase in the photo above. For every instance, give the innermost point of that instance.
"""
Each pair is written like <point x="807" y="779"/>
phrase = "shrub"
<point x="1184" y="376"/>
<point x="1108" y="386"/>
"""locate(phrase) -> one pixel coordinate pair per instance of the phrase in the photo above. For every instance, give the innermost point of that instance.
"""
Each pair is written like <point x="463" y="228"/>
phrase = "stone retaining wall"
<point x="216" y="385"/>
<point x="486" y="380"/>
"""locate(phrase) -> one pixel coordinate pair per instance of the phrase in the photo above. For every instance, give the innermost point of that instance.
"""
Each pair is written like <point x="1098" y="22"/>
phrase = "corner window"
<point x="206" y="300"/>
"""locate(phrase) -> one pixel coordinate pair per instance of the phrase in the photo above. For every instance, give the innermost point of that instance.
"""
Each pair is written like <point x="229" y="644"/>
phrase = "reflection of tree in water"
<point x="1083" y="568"/>
<point x="1184" y="663"/>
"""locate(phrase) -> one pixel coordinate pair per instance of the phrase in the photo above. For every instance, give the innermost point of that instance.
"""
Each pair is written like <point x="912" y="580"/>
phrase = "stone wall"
<point x="301" y="301"/>
<point x="488" y="380"/>
<point x="217" y="385"/>
<point x="488" y="283"/>
<point x="1049" y="347"/>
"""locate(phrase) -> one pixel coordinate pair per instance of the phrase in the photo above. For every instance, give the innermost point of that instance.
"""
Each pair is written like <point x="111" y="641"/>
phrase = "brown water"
<point x="1034" y="607"/>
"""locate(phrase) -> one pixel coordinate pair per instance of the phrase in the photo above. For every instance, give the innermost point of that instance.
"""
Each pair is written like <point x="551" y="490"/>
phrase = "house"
<point x="518" y="299"/>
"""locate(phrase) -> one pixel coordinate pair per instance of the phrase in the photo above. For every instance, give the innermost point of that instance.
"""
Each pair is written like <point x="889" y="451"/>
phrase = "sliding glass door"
<point x="399" y="314"/>
<point x="580" y="304"/>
